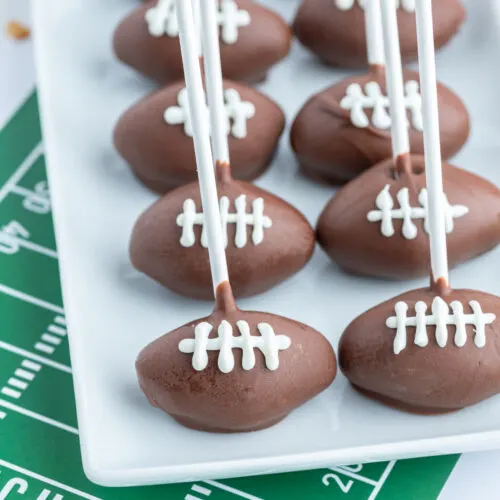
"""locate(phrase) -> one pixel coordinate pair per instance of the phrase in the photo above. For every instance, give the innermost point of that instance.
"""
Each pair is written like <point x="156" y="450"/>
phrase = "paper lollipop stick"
<point x="432" y="147"/>
<point x="201" y="136"/>
<point x="394" y="77"/>
<point x="374" y="36"/>
<point x="213" y="81"/>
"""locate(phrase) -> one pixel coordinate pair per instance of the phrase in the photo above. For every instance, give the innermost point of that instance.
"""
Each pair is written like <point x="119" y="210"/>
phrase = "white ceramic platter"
<point x="113" y="311"/>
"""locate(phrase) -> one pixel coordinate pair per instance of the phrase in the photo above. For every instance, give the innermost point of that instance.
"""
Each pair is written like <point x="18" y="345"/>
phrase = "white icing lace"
<point x="268" y="343"/>
<point x="237" y="113"/>
<point x="357" y="102"/>
<point x="386" y="213"/>
<point x="190" y="217"/>
<point x="440" y="318"/>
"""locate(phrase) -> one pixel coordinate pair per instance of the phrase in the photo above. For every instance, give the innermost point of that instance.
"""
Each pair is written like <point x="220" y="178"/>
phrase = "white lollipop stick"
<point x="197" y="23"/>
<point x="201" y="136"/>
<point x="213" y="80"/>
<point x="374" y="36"/>
<point x="394" y="78"/>
<point x="432" y="146"/>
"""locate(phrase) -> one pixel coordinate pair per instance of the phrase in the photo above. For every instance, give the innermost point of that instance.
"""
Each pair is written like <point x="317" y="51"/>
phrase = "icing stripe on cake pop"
<point x="237" y="113"/>
<point x="406" y="5"/>
<point x="268" y="343"/>
<point x="357" y="101"/>
<point x="386" y="212"/>
<point x="189" y="218"/>
<point x="162" y="20"/>
<point x="440" y="318"/>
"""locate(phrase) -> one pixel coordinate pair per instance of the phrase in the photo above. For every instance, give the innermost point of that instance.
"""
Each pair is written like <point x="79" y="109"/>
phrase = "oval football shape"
<point x="241" y="399"/>
<point x="425" y="377"/>
<point x="264" y="247"/>
<point x="154" y="136"/>
<point x="362" y="244"/>
<point x="252" y="41"/>
<point x="335" y="29"/>
<point x="334" y="140"/>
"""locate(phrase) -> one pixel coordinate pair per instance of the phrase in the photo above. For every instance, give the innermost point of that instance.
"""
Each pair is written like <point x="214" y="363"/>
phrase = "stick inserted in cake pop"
<point x="432" y="145"/>
<point x="344" y="130"/>
<point x="203" y="153"/>
<point x="395" y="85"/>
<point x="216" y="373"/>
<point x="407" y="351"/>
<point x="392" y="196"/>
<point x="255" y="223"/>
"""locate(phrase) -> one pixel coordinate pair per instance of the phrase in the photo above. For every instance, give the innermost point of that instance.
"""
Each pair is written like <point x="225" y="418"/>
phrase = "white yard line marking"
<point x="57" y="330"/>
<point x="47" y="480"/>
<point x="51" y="339"/>
<point x="191" y="497"/>
<point x="29" y="245"/>
<point x="234" y="491"/>
<point x="32" y="300"/>
<point x="39" y="346"/>
<point x="7" y="391"/>
<point x="354" y="476"/>
<point x="37" y="416"/>
<point x="18" y="384"/>
<point x="382" y="480"/>
<point x="2" y="415"/>
<point x="21" y="170"/>
<point x="35" y="357"/>
<point x="201" y="490"/>
<point x="29" y="364"/>
<point x="24" y="374"/>
<point x="61" y="320"/>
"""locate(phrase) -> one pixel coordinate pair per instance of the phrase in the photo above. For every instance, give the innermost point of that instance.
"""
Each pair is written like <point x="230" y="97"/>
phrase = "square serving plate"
<point x="113" y="311"/>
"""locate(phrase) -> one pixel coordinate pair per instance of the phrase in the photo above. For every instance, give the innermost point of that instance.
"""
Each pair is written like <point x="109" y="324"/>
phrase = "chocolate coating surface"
<point x="428" y="379"/>
<point x="241" y="400"/>
<point x="329" y="147"/>
<point x="286" y="247"/>
<point x="358" y="245"/>
<point x="338" y="36"/>
<point x="260" y="45"/>
<point x="162" y="155"/>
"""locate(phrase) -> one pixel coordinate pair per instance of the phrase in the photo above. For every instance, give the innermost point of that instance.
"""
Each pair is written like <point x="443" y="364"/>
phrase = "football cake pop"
<point x="233" y="371"/>
<point x="333" y="29"/>
<point x="267" y="239"/>
<point x="344" y="130"/>
<point x="155" y="138"/>
<point x="253" y="38"/>
<point x="378" y="225"/>
<point x="432" y="350"/>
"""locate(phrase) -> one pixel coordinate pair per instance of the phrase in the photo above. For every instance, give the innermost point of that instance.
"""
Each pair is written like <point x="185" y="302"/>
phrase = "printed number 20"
<point x="344" y="487"/>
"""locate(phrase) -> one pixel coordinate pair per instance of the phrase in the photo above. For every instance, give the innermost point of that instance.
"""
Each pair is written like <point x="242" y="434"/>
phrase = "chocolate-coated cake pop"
<point x="449" y="361"/>
<point x="333" y="29"/>
<point x="267" y="239"/>
<point x="233" y="371"/>
<point x="432" y="350"/>
<point x="155" y="135"/>
<point x="377" y="224"/>
<point x="253" y="38"/>
<point x="345" y="129"/>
